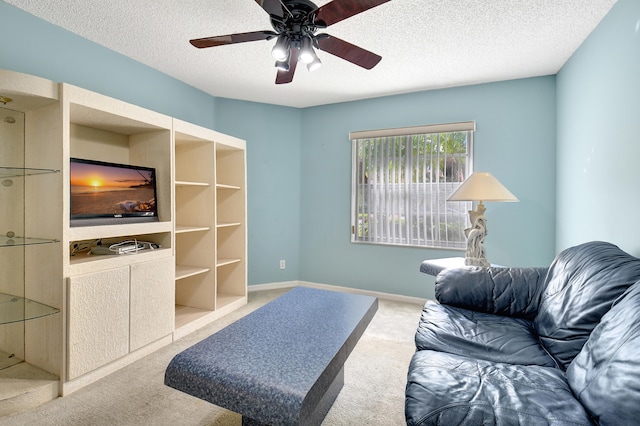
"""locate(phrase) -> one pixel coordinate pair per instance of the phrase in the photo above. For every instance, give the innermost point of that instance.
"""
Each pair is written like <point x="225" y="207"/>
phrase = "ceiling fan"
<point x="295" y="23"/>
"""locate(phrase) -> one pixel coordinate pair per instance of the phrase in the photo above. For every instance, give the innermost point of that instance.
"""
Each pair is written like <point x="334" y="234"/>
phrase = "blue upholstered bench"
<point x="281" y="364"/>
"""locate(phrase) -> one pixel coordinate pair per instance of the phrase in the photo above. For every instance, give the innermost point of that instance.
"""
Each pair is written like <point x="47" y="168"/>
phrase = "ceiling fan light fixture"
<point x="295" y="24"/>
<point x="283" y="65"/>
<point x="280" y="51"/>
<point x="307" y="54"/>
<point x="314" y="65"/>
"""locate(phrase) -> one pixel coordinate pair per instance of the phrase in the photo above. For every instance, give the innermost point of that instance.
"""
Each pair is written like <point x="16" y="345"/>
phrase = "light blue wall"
<point x="33" y="46"/>
<point x="514" y="140"/>
<point x="273" y="179"/>
<point x="598" y="90"/>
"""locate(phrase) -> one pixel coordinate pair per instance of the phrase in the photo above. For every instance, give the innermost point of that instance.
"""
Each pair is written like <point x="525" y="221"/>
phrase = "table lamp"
<point x="479" y="187"/>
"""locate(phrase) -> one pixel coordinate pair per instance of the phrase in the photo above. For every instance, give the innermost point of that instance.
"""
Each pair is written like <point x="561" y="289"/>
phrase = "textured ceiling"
<point x="424" y="44"/>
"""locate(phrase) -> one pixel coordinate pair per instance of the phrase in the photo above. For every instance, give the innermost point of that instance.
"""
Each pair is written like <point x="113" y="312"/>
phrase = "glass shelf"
<point x="17" y="309"/>
<point x="9" y="172"/>
<point x="22" y="241"/>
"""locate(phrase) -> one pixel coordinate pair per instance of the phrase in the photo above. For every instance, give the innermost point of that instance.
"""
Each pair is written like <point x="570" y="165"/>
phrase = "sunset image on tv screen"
<point x="98" y="189"/>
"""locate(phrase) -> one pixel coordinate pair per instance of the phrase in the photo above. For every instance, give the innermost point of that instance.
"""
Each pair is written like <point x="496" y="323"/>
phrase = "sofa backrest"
<point x="581" y="285"/>
<point x="605" y="375"/>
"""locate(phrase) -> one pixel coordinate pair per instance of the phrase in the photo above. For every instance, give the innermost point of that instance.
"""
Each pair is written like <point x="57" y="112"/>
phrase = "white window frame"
<point x="412" y="228"/>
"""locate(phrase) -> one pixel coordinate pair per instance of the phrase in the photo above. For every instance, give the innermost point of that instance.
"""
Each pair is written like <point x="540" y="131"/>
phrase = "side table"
<point x="435" y="266"/>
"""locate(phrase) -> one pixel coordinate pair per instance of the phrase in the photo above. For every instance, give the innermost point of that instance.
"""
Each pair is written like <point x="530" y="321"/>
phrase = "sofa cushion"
<point x="449" y="390"/>
<point x="605" y="375"/>
<point x="479" y="335"/>
<point x="582" y="283"/>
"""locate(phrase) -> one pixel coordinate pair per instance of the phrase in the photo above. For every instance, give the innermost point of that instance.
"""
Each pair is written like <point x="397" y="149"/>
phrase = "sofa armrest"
<point x="503" y="291"/>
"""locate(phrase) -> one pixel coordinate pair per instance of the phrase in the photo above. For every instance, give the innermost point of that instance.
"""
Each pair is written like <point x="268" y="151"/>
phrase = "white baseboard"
<point x="273" y="286"/>
<point x="380" y="295"/>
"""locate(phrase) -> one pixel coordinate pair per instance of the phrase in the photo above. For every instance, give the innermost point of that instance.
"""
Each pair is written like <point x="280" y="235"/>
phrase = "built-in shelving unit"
<point x="116" y="304"/>
<point x="105" y="129"/>
<point x="29" y="237"/>
<point x="231" y="234"/>
<point x="194" y="224"/>
<point x="198" y="298"/>
<point x="79" y="316"/>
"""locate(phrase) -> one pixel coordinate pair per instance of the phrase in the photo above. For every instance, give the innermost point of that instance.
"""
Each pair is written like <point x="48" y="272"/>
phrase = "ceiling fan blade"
<point x="285" y="77"/>
<point x="347" y="51"/>
<point x="272" y="7"/>
<point x="338" y="10"/>
<point x="232" y="38"/>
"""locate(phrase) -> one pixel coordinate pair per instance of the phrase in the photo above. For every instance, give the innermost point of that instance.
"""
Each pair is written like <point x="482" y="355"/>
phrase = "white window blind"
<point x="401" y="179"/>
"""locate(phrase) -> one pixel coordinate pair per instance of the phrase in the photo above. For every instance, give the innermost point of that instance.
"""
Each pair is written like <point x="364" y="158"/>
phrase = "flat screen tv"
<point x="108" y="193"/>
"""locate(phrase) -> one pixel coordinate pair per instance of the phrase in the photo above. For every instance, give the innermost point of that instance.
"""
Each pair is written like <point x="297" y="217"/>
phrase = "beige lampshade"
<point x="482" y="186"/>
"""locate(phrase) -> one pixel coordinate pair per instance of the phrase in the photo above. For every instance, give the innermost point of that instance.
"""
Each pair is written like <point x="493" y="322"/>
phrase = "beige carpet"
<point x="373" y="393"/>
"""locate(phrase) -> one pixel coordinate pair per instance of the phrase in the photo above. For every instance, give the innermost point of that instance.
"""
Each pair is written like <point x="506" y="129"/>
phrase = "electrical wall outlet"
<point x="282" y="264"/>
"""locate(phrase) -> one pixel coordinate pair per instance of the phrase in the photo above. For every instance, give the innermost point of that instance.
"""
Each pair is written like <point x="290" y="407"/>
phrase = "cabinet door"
<point x="152" y="301"/>
<point x="98" y="320"/>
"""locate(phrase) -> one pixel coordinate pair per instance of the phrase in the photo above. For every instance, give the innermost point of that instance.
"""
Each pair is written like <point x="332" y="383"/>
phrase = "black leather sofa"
<point x="531" y="346"/>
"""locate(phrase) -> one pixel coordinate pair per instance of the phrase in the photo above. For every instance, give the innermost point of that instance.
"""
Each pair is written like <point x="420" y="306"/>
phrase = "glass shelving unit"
<point x="16" y="308"/>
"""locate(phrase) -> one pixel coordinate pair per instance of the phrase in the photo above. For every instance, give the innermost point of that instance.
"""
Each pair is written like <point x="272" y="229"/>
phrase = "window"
<point x="401" y="181"/>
